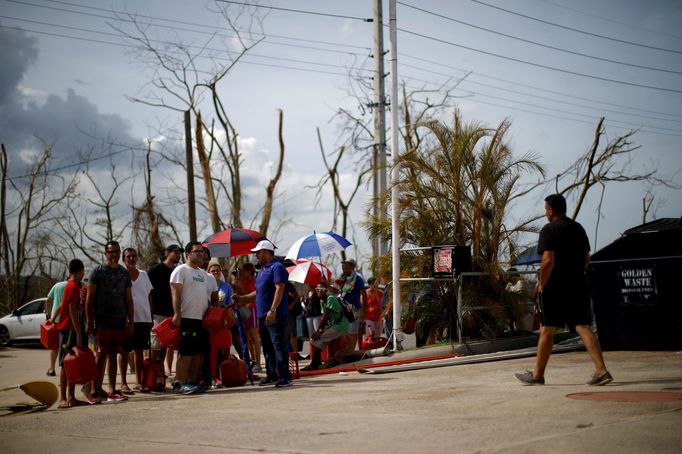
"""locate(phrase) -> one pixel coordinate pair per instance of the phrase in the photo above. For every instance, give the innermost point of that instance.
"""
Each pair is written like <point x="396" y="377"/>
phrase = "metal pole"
<point x="395" y="193"/>
<point x="380" y="246"/>
<point x="460" y="321"/>
<point x="192" y="214"/>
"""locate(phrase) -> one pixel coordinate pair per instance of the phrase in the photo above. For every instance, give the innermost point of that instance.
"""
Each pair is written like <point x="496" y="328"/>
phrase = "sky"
<point x="551" y="67"/>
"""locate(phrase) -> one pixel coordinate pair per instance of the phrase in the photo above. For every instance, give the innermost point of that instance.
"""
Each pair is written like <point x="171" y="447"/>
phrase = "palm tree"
<point x="456" y="187"/>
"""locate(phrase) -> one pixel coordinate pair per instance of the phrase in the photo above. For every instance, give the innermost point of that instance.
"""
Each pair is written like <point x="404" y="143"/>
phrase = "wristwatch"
<point x="273" y="309"/>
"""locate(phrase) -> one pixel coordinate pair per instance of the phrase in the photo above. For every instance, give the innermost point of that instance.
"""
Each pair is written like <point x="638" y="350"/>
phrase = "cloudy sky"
<point x="553" y="67"/>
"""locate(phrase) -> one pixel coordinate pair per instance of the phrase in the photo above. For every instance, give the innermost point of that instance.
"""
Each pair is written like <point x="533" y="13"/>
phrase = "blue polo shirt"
<point x="354" y="296"/>
<point x="269" y="275"/>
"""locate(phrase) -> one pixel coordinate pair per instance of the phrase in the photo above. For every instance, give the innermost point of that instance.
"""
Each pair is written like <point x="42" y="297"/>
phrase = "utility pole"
<point x="379" y="245"/>
<point x="190" y="179"/>
<point x="395" y="192"/>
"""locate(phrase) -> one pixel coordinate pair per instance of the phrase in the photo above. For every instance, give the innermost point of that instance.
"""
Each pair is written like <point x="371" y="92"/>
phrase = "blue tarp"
<point x="528" y="257"/>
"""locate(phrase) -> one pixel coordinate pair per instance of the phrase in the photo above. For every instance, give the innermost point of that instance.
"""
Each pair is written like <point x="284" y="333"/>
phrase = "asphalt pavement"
<point x="470" y="408"/>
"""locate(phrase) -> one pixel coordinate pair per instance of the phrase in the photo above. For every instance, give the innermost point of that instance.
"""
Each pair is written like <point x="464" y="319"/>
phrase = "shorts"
<point x="67" y="340"/>
<point x="251" y="322"/>
<point x="193" y="337"/>
<point x="353" y="328"/>
<point x="560" y="309"/>
<point x="109" y="340"/>
<point x="139" y="340"/>
<point x="326" y="337"/>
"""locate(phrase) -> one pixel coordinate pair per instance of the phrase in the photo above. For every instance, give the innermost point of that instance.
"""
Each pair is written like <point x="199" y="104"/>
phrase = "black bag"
<point x="349" y="311"/>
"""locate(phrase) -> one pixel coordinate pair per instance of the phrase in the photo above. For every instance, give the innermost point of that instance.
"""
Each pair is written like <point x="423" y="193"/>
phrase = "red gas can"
<point x="233" y="372"/>
<point x="369" y="343"/>
<point x="167" y="334"/>
<point x="153" y="374"/>
<point x="80" y="366"/>
<point x="49" y="336"/>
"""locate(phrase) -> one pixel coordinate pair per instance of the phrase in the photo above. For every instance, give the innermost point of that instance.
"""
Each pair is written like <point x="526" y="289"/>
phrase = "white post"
<point x="395" y="193"/>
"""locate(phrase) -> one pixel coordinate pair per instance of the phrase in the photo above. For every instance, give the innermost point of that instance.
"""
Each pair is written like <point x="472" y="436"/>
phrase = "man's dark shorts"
<point x="193" y="337"/>
<point x="139" y="340"/>
<point x="67" y="341"/>
<point x="561" y="309"/>
<point x="109" y="335"/>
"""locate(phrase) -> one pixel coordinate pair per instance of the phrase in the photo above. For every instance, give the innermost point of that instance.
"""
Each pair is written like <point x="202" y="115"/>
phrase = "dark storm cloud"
<point x="17" y="52"/>
<point x="70" y="122"/>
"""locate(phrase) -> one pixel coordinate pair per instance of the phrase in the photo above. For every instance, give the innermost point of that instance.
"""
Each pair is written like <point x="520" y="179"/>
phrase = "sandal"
<point x="126" y="390"/>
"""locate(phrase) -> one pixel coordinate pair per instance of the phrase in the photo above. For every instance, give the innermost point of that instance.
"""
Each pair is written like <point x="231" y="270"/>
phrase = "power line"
<point x="298" y="46"/>
<point x="608" y="19"/>
<point x="552" y="112"/>
<point x="539" y="65"/>
<point x="534" y="87"/>
<point x="194" y="24"/>
<point x="300" y="11"/>
<point x="467" y="80"/>
<point x="327" y="72"/>
<point x="547" y="46"/>
<point x="631" y="43"/>
<point x="249" y="55"/>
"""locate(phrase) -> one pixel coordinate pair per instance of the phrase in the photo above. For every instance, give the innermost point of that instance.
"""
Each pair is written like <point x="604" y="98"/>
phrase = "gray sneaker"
<point x="527" y="378"/>
<point x="599" y="380"/>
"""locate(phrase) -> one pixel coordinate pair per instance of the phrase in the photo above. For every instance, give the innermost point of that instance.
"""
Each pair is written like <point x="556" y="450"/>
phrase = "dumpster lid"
<point x="659" y="238"/>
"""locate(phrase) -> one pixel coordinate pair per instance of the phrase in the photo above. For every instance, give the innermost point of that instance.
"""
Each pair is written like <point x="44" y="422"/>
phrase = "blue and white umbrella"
<point x="317" y="245"/>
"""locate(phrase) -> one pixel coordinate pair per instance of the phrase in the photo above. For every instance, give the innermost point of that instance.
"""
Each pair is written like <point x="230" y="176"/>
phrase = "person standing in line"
<point x="189" y="284"/>
<point x="162" y="302"/>
<point x="244" y="283"/>
<point x="138" y="342"/>
<point x="71" y="333"/>
<point x="563" y="291"/>
<point x="110" y="316"/>
<point x="373" y="325"/>
<point x="52" y="306"/>
<point x="353" y="290"/>
<point x="273" y="314"/>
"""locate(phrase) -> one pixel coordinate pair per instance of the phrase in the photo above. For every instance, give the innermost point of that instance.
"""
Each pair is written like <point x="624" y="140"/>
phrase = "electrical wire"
<point x="300" y="11"/>
<point x="535" y="43"/>
<point x="539" y="65"/>
<point x="565" y="27"/>
<point x="271" y="42"/>
<point x="608" y="19"/>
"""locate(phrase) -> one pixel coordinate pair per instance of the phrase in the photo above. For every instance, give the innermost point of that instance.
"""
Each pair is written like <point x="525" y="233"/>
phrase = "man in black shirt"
<point x="563" y="291"/>
<point x="162" y="302"/>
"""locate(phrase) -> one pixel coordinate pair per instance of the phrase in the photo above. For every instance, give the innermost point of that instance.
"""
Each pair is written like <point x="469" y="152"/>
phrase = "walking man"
<point x="109" y="309"/>
<point x="273" y="314"/>
<point x="563" y="290"/>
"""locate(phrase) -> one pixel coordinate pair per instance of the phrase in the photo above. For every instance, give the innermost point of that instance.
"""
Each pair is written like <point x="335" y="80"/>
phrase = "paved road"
<point x="476" y="408"/>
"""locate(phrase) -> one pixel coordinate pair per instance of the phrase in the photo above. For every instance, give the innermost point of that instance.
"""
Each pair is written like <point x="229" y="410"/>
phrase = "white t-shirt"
<point x="142" y="287"/>
<point x="194" y="281"/>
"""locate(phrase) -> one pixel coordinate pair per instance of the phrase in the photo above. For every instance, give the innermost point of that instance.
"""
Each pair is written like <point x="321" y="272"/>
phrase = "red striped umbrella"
<point x="232" y="242"/>
<point x="308" y="272"/>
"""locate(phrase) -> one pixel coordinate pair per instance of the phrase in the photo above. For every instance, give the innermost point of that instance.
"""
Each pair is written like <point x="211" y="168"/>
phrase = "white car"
<point x="23" y="324"/>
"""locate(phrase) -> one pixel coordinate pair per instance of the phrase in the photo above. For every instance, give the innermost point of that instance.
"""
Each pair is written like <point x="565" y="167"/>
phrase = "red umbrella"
<point x="232" y="242"/>
<point x="308" y="272"/>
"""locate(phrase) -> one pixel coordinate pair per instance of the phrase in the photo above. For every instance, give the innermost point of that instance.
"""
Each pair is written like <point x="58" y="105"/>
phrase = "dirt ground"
<point x="477" y="408"/>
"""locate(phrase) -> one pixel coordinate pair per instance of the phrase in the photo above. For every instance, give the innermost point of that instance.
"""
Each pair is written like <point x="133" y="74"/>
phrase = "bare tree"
<point x="611" y="163"/>
<point x="332" y="177"/>
<point x="181" y="83"/>
<point x="30" y="206"/>
<point x="148" y="222"/>
<point x="270" y="189"/>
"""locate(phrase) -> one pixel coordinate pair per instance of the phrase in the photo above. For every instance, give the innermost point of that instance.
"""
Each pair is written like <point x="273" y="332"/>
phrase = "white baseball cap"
<point x="264" y="244"/>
